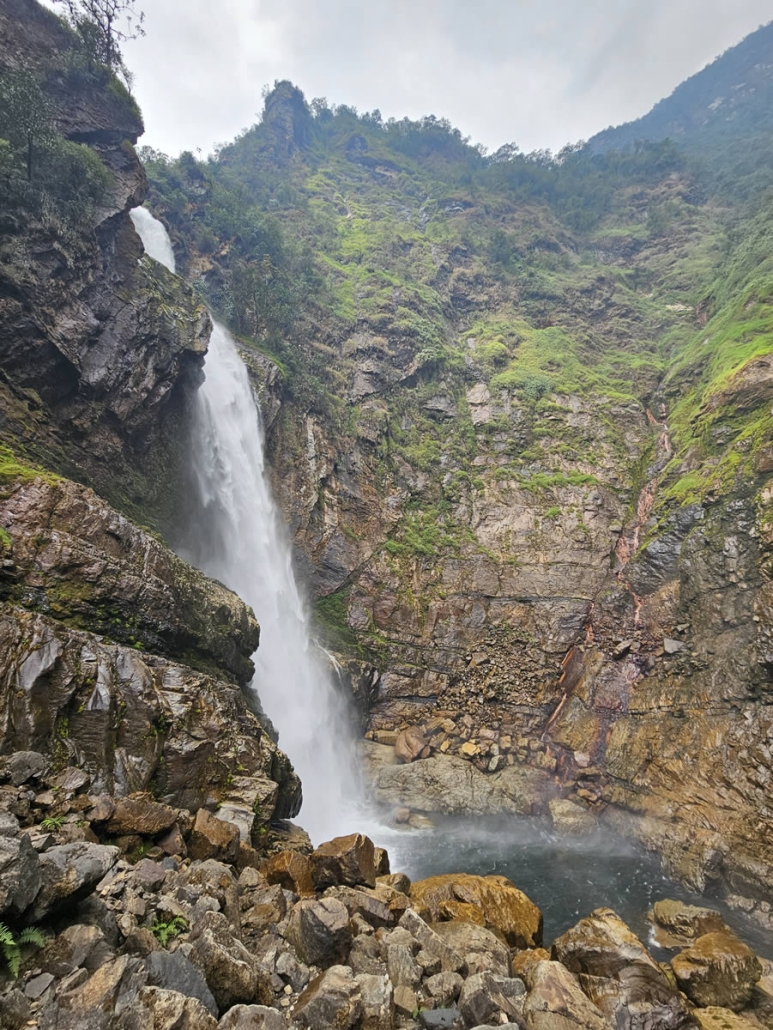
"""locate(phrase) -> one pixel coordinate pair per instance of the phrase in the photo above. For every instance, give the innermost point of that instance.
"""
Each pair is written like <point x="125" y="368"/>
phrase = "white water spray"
<point x="154" y="236"/>
<point x="240" y="540"/>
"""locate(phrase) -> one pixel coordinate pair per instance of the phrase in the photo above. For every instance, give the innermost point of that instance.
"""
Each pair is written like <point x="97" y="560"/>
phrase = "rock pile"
<point x="205" y="937"/>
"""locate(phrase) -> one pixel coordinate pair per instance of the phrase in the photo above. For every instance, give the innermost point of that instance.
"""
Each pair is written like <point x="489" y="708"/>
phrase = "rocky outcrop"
<point x="71" y="556"/>
<point x="100" y="346"/>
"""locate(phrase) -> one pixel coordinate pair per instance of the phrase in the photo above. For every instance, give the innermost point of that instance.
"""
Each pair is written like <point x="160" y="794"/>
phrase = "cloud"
<point x="537" y="72"/>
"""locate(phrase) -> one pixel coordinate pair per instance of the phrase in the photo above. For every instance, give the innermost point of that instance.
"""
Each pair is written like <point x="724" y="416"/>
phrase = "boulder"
<point x="397" y="881"/>
<point x="481" y="949"/>
<point x="79" y="946"/>
<point x="718" y="970"/>
<point x="365" y="903"/>
<point x="684" y="922"/>
<point x="365" y="956"/>
<point x="174" y="972"/>
<point x="291" y="870"/>
<point x="139" y="813"/>
<point x="252" y="1017"/>
<point x="569" y="817"/>
<point x="15" y="1010"/>
<point x="381" y="862"/>
<point x="450" y="959"/>
<point x="159" y="1009"/>
<point x="443" y="988"/>
<point x="555" y="1002"/>
<point x="212" y="838"/>
<point x="110" y="989"/>
<point x="504" y="908"/>
<point x="25" y="765"/>
<point x="378" y="1002"/>
<point x="232" y="973"/>
<point x="348" y="861"/>
<point x="403" y="969"/>
<point x="69" y="872"/>
<point x="319" y="931"/>
<point x="331" y="1002"/>
<point x="485" y="995"/>
<point x="618" y="974"/>
<point x="406" y="1002"/>
<point x="20" y="874"/>
<point x="410" y="744"/>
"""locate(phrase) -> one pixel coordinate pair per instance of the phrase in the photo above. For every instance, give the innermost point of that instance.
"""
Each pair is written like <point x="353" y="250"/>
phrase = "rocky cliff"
<point x="524" y="446"/>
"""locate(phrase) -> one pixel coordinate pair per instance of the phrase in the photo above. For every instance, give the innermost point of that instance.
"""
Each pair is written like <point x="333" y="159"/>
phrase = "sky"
<point x="540" y="73"/>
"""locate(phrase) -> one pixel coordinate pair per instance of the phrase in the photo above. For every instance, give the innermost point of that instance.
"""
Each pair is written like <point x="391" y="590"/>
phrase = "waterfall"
<point x="154" y="236"/>
<point x="237" y="537"/>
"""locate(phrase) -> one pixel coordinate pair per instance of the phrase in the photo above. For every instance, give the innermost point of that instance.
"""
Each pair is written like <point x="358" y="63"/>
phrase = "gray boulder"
<point x="157" y="1009"/>
<point x="252" y="1017"/>
<point x="334" y="999"/>
<point x="233" y="975"/>
<point x="319" y="931"/>
<point x="69" y="872"/>
<point x="174" y="972"/>
<point x="20" y="874"/>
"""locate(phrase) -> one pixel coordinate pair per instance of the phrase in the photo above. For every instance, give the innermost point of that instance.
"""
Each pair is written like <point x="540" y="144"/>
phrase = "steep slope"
<point x="523" y="444"/>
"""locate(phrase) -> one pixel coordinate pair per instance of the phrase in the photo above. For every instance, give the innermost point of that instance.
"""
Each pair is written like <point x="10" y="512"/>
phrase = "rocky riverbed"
<point x="195" y="930"/>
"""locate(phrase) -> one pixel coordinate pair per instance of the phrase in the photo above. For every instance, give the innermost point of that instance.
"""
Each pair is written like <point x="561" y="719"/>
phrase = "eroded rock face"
<point x="131" y="720"/>
<point x="110" y="345"/>
<point x="77" y="559"/>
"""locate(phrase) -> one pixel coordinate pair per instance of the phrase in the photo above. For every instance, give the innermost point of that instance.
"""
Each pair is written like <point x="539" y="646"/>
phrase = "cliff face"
<point x="123" y="668"/>
<point x="97" y="343"/>
<point x="524" y="446"/>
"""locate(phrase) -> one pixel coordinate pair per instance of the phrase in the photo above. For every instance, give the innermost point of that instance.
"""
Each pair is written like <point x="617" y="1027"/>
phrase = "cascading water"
<point x="155" y="238"/>
<point x="239" y="539"/>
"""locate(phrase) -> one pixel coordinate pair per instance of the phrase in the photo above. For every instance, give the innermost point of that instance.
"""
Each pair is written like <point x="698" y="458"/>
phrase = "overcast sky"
<point x="540" y="73"/>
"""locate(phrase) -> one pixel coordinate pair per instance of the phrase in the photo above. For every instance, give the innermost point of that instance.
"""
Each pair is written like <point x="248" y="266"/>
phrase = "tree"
<point x="25" y="115"/>
<point x="103" y="25"/>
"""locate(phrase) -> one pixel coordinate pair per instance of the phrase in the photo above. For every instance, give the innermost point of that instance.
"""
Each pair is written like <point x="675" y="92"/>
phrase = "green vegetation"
<point x="166" y="930"/>
<point x="11" y="944"/>
<point x="53" y="823"/>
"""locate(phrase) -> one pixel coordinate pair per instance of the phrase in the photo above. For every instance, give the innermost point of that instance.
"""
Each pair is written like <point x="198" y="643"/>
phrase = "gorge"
<point x="505" y="421"/>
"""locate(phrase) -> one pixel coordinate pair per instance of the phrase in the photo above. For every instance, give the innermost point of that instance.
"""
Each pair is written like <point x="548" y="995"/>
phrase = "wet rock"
<point x="504" y="908"/>
<point x="453" y="786"/>
<point x="685" y="922"/>
<point x="555" y="1002"/>
<point x="618" y="974"/>
<point x="140" y="814"/>
<point x="68" y="872"/>
<point x="410" y="744"/>
<point x="212" y="838"/>
<point x="158" y="1009"/>
<point x="378" y="1001"/>
<point x="718" y="970"/>
<point x="232" y="973"/>
<point x="348" y="861"/>
<point x="252" y="1017"/>
<point x="485" y="995"/>
<point x="319" y="931"/>
<point x="444" y="988"/>
<point x="569" y="817"/>
<point x="174" y="972"/>
<point x="291" y="870"/>
<point x="481" y="949"/>
<point x="331" y="1002"/>
<point x="381" y="862"/>
<point x="20" y="873"/>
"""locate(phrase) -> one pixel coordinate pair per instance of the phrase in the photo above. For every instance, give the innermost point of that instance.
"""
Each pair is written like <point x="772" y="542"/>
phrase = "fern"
<point x="11" y="946"/>
<point x="165" y="932"/>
